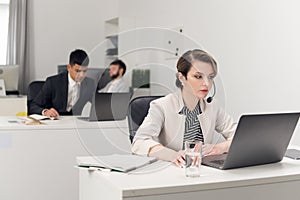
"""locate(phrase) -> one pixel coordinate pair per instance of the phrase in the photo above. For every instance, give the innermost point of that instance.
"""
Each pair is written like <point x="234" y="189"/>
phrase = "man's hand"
<point x="51" y="113"/>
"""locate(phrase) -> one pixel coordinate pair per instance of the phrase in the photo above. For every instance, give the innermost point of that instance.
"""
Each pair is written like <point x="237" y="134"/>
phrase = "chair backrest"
<point x="62" y="68"/>
<point x="137" y="111"/>
<point x="33" y="90"/>
<point x="104" y="79"/>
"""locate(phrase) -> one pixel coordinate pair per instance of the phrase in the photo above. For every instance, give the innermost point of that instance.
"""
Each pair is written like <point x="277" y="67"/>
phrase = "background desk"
<point x="275" y="182"/>
<point x="11" y="105"/>
<point x="37" y="162"/>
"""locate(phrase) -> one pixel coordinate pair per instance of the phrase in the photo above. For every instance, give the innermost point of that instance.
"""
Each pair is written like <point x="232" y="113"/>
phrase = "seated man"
<point x="68" y="92"/>
<point x="117" y="70"/>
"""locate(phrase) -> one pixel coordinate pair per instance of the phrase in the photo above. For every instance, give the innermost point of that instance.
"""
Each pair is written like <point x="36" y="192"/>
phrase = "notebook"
<point x="41" y="117"/>
<point x="117" y="162"/>
<point x="293" y="154"/>
<point x="259" y="139"/>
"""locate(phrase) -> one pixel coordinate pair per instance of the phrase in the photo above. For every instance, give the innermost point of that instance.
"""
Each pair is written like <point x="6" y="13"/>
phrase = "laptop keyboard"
<point x="218" y="162"/>
<point x="84" y="118"/>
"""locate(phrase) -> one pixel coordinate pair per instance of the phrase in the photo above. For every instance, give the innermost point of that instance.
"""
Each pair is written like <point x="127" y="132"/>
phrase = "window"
<point x="4" y="16"/>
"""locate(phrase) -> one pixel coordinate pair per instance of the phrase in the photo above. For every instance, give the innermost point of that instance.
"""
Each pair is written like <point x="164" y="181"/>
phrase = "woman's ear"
<point x="181" y="77"/>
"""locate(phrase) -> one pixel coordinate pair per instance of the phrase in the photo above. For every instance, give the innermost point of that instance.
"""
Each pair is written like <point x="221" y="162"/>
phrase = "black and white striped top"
<point x="193" y="131"/>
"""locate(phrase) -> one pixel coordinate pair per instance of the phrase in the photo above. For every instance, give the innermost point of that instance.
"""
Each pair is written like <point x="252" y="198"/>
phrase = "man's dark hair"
<point x="79" y="57"/>
<point x="121" y="65"/>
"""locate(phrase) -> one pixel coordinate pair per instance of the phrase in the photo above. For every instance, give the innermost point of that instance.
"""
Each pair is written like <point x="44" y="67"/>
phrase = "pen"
<point x="91" y="168"/>
<point x="35" y="120"/>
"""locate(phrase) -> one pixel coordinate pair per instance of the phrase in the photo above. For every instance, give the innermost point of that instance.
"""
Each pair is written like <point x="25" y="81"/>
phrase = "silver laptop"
<point x="259" y="139"/>
<point x="109" y="107"/>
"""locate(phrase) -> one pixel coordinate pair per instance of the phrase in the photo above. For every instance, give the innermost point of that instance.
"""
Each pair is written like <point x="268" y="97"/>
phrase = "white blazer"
<point x="164" y="125"/>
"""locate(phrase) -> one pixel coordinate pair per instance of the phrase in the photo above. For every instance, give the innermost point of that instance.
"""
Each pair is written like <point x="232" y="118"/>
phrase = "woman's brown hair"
<point x="185" y="62"/>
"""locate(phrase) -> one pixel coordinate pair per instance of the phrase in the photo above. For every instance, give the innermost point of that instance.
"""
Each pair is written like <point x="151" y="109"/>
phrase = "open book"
<point x="122" y="163"/>
<point x="40" y="117"/>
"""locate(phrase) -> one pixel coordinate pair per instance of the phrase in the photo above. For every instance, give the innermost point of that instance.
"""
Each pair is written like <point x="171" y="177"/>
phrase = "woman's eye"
<point x="211" y="77"/>
<point x="198" y="77"/>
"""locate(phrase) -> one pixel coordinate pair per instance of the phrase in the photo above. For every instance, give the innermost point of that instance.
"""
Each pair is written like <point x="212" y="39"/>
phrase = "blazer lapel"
<point x="204" y="123"/>
<point x="83" y="87"/>
<point x="179" y="122"/>
<point x="204" y="119"/>
<point x="181" y="130"/>
<point x="64" y="88"/>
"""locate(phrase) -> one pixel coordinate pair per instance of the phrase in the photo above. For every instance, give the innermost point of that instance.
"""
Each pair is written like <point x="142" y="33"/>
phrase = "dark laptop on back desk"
<point x="109" y="107"/>
<point x="259" y="139"/>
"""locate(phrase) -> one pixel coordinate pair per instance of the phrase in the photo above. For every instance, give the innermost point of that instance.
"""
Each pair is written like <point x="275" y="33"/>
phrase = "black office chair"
<point x="33" y="90"/>
<point x="62" y="68"/>
<point x="104" y="80"/>
<point x="137" y="111"/>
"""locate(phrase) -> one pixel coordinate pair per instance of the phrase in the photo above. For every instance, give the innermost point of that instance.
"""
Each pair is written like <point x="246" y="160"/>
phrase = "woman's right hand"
<point x="163" y="153"/>
<point x="216" y="149"/>
<point x="179" y="158"/>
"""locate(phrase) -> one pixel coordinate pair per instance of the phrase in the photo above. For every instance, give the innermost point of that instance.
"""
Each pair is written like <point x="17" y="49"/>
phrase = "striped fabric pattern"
<point x="193" y="131"/>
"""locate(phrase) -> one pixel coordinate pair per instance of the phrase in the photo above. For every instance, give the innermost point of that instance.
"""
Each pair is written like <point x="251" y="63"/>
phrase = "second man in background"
<point x="117" y="70"/>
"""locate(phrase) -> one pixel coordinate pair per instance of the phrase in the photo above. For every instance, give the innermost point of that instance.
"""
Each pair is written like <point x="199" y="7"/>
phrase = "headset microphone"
<point x="209" y="99"/>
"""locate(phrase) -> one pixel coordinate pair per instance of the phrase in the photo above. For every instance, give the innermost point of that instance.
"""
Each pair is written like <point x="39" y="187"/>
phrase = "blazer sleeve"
<point x="148" y="133"/>
<point x="93" y="88"/>
<point x="43" y="99"/>
<point x="90" y="90"/>
<point x="87" y="92"/>
<point x="225" y="124"/>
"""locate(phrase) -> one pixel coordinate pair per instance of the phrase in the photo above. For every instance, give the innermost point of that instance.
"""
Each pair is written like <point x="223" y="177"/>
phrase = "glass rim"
<point x="197" y="141"/>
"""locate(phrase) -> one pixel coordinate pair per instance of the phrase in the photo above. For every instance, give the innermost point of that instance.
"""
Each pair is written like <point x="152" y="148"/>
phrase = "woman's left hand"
<point x="215" y="149"/>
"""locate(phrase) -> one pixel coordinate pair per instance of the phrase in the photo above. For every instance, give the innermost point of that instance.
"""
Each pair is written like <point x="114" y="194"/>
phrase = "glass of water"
<point x="193" y="158"/>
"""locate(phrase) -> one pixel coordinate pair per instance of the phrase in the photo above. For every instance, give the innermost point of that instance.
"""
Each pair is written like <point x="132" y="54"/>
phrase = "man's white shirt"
<point x="115" y="86"/>
<point x="73" y="92"/>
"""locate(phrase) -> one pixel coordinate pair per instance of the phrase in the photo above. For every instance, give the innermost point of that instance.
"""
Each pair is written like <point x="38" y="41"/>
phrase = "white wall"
<point x="55" y="28"/>
<point x="256" y="44"/>
<point x="4" y="10"/>
<point x="157" y="15"/>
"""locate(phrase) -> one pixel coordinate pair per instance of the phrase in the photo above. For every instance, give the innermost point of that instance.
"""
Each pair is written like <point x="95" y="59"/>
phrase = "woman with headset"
<point x="186" y="114"/>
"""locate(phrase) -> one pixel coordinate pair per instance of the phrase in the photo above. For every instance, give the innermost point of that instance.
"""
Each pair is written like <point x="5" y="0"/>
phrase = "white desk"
<point x="64" y="123"/>
<point x="275" y="181"/>
<point x="37" y="162"/>
<point x="11" y="105"/>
